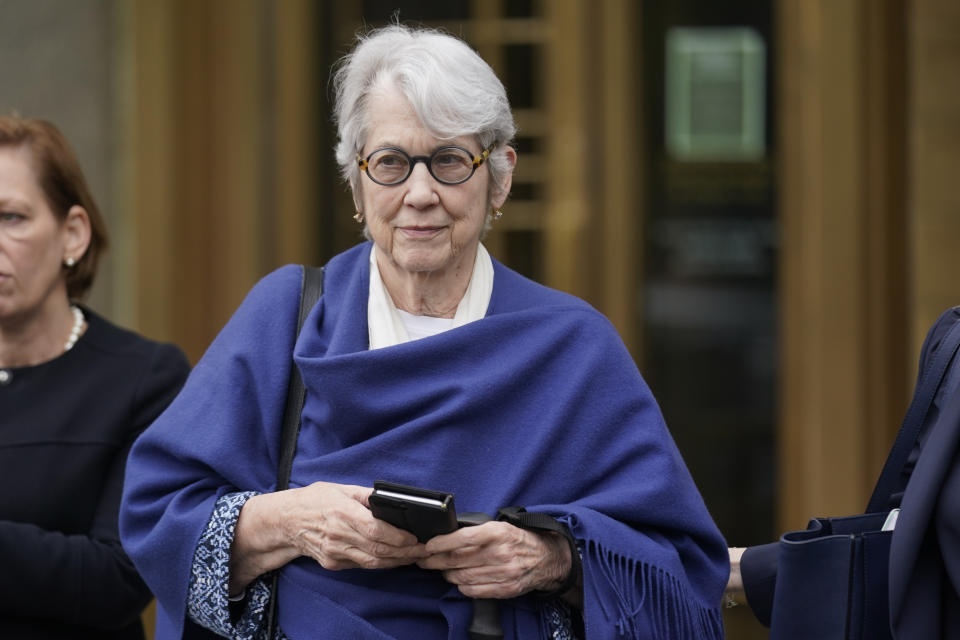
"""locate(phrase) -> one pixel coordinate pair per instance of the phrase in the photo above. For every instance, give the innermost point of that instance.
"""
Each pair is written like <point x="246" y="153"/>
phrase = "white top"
<point x="389" y="326"/>
<point x="423" y="326"/>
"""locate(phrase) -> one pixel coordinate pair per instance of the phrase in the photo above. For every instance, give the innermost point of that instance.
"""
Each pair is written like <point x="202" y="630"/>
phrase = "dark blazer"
<point x="66" y="426"/>
<point x="925" y="548"/>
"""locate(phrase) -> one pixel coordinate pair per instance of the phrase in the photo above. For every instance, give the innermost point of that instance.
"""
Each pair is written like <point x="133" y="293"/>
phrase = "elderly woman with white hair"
<point x="430" y="364"/>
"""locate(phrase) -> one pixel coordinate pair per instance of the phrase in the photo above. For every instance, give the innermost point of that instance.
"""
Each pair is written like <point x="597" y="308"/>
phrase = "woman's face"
<point x="421" y="226"/>
<point x="33" y="241"/>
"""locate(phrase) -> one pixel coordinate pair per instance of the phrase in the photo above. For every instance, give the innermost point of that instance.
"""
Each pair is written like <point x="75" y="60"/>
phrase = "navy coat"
<point x="925" y="548"/>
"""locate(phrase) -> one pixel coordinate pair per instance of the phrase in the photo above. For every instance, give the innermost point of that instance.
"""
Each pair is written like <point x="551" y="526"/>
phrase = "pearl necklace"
<point x="77" y="328"/>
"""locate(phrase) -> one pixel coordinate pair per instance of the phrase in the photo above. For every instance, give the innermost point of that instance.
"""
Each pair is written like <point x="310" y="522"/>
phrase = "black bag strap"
<point x="923" y="397"/>
<point x="311" y="287"/>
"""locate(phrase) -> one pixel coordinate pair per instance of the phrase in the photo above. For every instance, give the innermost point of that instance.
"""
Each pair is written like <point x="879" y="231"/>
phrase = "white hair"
<point x="452" y="90"/>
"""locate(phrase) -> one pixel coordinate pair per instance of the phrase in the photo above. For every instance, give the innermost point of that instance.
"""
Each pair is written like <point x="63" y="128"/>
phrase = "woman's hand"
<point x="735" y="580"/>
<point x="328" y="522"/>
<point x="734" y="595"/>
<point x="499" y="560"/>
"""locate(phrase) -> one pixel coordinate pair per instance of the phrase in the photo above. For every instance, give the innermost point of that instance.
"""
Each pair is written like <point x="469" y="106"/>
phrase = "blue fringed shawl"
<point x="538" y="404"/>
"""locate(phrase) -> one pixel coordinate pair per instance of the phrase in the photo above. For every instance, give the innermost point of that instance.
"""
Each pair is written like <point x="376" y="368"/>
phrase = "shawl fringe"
<point x="646" y="596"/>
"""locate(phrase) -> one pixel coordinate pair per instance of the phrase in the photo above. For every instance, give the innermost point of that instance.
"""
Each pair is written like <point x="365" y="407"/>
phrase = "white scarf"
<point x="386" y="327"/>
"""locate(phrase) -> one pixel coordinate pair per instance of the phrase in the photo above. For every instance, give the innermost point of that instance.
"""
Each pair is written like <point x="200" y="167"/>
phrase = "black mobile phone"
<point x="422" y="512"/>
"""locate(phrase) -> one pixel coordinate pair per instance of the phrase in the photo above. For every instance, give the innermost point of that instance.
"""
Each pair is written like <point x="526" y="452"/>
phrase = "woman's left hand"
<point x="499" y="560"/>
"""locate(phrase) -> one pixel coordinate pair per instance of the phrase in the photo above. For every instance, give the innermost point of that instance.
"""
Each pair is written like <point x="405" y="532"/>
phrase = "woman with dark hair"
<point x="75" y="391"/>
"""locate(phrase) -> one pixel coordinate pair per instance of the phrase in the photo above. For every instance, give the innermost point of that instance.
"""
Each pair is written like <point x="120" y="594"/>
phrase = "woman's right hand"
<point x="328" y="522"/>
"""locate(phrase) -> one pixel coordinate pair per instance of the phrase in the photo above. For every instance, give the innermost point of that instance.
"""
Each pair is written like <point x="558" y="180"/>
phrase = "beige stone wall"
<point x="934" y="155"/>
<point x="57" y="62"/>
<point x="870" y="211"/>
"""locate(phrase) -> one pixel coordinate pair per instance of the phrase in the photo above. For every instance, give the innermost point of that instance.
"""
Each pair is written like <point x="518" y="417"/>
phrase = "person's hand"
<point x="735" y="580"/>
<point x="328" y="522"/>
<point x="336" y="528"/>
<point x="499" y="560"/>
<point x="734" y="595"/>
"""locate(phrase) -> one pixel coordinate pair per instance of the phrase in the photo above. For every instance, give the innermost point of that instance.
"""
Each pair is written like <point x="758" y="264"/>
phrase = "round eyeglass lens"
<point x="451" y="165"/>
<point x="388" y="166"/>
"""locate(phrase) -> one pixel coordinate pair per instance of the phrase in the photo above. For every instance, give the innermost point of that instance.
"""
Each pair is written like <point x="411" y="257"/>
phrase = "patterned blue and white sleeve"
<point x="208" y="602"/>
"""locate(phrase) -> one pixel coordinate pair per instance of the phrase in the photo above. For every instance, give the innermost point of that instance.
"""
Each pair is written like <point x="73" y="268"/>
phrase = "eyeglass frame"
<point x="478" y="160"/>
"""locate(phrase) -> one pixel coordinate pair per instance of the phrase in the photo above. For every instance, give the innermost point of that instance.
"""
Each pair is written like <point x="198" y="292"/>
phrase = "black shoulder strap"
<point x="311" y="287"/>
<point x="923" y="396"/>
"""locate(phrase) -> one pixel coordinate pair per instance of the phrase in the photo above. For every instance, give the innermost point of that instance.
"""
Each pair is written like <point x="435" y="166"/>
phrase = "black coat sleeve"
<point x="86" y="578"/>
